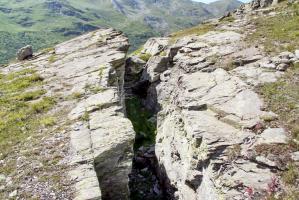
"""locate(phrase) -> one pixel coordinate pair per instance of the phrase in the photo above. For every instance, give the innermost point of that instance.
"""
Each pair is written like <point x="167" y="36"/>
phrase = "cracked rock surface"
<point x="210" y="118"/>
<point x="87" y="75"/>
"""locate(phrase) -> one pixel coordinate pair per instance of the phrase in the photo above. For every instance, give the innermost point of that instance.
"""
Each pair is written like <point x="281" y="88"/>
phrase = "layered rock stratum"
<point x="215" y="136"/>
<point x="85" y="76"/>
<point x="211" y="120"/>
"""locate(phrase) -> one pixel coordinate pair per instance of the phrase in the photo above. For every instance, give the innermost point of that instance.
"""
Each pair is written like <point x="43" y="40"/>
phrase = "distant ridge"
<point x="44" y="23"/>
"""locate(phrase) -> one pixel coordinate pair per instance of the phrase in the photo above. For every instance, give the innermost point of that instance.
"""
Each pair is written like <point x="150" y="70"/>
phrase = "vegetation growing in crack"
<point x="145" y="56"/>
<point x="142" y="122"/>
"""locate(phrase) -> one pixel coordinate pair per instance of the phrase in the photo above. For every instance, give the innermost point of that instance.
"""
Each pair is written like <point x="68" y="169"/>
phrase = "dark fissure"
<point x="144" y="182"/>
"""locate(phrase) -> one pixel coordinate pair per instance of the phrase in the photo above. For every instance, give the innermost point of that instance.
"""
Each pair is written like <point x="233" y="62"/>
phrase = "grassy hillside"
<point x="43" y="23"/>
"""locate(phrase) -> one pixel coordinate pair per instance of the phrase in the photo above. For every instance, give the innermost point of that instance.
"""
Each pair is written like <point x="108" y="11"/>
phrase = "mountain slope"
<point x="223" y="6"/>
<point x="43" y="23"/>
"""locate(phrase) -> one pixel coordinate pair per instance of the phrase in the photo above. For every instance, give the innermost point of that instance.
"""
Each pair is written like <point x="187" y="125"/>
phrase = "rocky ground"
<point x="217" y="137"/>
<point x="85" y="136"/>
<point x="213" y="112"/>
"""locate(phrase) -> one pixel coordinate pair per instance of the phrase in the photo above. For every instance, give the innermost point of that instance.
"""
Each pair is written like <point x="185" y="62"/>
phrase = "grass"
<point x="94" y="89"/>
<point x="144" y="128"/>
<point x="85" y="116"/>
<point x="282" y="97"/>
<point x="230" y="65"/>
<point x="291" y="175"/>
<point x="32" y="95"/>
<point x="228" y="19"/>
<point x="137" y="51"/>
<point x="278" y="33"/>
<point x="197" y="30"/>
<point x="32" y="22"/>
<point x="19" y="117"/>
<point x="26" y="129"/>
<point x="43" y="105"/>
<point x="48" y="121"/>
<point x="52" y="59"/>
<point x="234" y="152"/>
<point x="76" y="95"/>
<point x="145" y="56"/>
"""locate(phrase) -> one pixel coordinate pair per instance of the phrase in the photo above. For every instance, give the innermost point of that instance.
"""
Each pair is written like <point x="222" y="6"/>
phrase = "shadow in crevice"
<point x="148" y="180"/>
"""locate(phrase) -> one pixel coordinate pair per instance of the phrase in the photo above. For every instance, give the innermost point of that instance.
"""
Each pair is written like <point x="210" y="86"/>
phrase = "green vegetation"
<point x="85" y="116"/>
<point x="197" y="30"/>
<point x="19" y="115"/>
<point x="291" y="175"/>
<point x="234" y="152"/>
<point x="52" y="59"/>
<point x="141" y="119"/>
<point x="145" y="56"/>
<point x="45" y="23"/>
<point x="32" y="95"/>
<point x="137" y="51"/>
<point x="76" y="95"/>
<point x="94" y="88"/>
<point x="42" y="105"/>
<point x="48" y="121"/>
<point x="282" y="97"/>
<point x="228" y="19"/>
<point x="278" y="33"/>
<point x="163" y="53"/>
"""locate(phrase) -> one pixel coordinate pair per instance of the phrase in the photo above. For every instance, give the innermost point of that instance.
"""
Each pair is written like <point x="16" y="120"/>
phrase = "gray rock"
<point x="297" y="54"/>
<point x="295" y="156"/>
<point x="207" y="119"/>
<point x="13" y="194"/>
<point x="154" y="46"/>
<point x="2" y="178"/>
<point x="154" y="67"/>
<point x="286" y="55"/>
<point x="267" y="64"/>
<point x="135" y="65"/>
<point x="24" y="52"/>
<point x="256" y="4"/>
<point x="282" y="67"/>
<point x="265" y="161"/>
<point x="273" y="136"/>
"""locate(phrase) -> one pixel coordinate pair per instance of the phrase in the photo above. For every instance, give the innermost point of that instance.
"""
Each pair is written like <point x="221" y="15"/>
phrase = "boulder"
<point x="135" y="65"/>
<point x="256" y="4"/>
<point x="297" y="54"/>
<point x="274" y="136"/>
<point x="154" y="46"/>
<point x="24" y="52"/>
<point x="295" y="156"/>
<point x="286" y="55"/>
<point x="282" y="67"/>
<point x="155" y="66"/>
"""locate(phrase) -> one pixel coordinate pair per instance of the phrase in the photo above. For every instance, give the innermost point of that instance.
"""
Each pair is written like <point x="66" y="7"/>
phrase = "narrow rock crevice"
<point x="144" y="180"/>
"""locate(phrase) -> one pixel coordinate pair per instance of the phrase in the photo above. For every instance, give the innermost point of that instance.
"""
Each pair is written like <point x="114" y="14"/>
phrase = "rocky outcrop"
<point x="263" y="3"/>
<point x="24" y="52"/>
<point x="210" y="118"/>
<point x="86" y="75"/>
<point x="102" y="139"/>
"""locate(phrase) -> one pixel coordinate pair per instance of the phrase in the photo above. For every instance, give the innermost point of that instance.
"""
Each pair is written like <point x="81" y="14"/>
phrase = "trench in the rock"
<point x="144" y="182"/>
